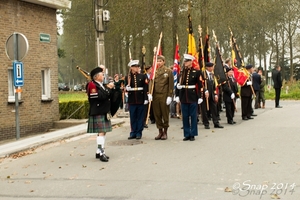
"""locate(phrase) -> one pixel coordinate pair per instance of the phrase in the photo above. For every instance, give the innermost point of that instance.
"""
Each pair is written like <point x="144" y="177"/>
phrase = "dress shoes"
<point x="250" y="118"/>
<point x="152" y="122"/>
<point x="206" y="127"/>
<point x="98" y="156"/>
<point x="192" y="138"/>
<point x="103" y="158"/>
<point x="253" y="115"/>
<point x="278" y="107"/>
<point x="230" y="122"/>
<point x="245" y="118"/>
<point x="186" y="138"/>
<point x="218" y="126"/>
<point x="138" y="137"/>
<point x="145" y="126"/>
<point x="131" y="137"/>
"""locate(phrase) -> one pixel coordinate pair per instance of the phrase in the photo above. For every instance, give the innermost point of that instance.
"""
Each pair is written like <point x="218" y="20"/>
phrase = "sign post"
<point x="16" y="49"/>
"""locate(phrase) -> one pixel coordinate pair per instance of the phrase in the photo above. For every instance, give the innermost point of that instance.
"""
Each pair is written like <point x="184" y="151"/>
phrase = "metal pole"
<point x="100" y="33"/>
<point x="16" y="56"/>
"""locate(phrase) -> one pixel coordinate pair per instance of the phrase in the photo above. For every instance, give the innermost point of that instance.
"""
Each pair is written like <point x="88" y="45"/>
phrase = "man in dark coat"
<point x="230" y="93"/>
<point x="256" y="81"/>
<point x="276" y="76"/>
<point x="211" y="93"/>
<point x="246" y="95"/>
<point x="137" y="88"/>
<point x="188" y="93"/>
<point x="99" y="122"/>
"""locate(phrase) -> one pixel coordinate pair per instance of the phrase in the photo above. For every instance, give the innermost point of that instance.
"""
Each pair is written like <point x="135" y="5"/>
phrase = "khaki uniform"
<point x="163" y="88"/>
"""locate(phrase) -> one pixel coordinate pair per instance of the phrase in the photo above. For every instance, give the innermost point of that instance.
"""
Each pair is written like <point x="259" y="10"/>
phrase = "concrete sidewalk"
<point x="10" y="148"/>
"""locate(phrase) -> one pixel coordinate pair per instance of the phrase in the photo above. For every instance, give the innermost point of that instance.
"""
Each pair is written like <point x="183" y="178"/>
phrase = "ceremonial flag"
<point x="219" y="69"/>
<point x="176" y="67"/>
<point x="207" y="49"/>
<point x="156" y="53"/>
<point x="235" y="54"/>
<point x="239" y="70"/>
<point x="192" y="50"/>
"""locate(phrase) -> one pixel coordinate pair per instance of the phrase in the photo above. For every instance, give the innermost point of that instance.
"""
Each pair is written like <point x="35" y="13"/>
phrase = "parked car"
<point x="78" y="87"/>
<point x="63" y="87"/>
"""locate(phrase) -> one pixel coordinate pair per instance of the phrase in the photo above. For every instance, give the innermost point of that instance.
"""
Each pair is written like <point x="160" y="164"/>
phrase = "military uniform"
<point x="211" y="88"/>
<point x="246" y="98"/>
<point x="137" y="90"/>
<point x="230" y="93"/>
<point x="188" y="93"/>
<point x="162" y="92"/>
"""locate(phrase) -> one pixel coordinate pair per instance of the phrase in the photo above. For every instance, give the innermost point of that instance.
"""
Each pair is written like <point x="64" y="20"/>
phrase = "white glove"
<point x="146" y="102"/>
<point x="150" y="97"/>
<point x="126" y="94"/>
<point x="200" y="100"/>
<point x="249" y="83"/>
<point x="232" y="96"/>
<point x="179" y="87"/>
<point x="238" y="99"/>
<point x="169" y="100"/>
<point x="128" y="88"/>
<point x="177" y="99"/>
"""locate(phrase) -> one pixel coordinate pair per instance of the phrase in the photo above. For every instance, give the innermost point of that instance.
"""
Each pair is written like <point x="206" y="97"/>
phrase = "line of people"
<point x="197" y="92"/>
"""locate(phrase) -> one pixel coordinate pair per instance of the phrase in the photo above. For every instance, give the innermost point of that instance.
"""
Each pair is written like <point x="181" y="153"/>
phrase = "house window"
<point x="11" y="87"/>
<point x="46" y="86"/>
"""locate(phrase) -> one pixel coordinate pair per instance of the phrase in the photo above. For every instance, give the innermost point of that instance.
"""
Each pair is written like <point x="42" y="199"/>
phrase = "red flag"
<point x="176" y="66"/>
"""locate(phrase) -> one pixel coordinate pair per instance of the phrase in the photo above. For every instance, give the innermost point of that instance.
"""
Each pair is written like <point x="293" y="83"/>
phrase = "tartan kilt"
<point x="98" y="124"/>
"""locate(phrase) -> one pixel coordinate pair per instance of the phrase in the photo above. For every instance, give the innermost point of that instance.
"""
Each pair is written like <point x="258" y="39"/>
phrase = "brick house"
<point x="38" y="101"/>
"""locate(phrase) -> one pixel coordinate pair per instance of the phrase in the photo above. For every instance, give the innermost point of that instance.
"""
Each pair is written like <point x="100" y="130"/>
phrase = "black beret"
<point x="209" y="64"/>
<point x="249" y="66"/>
<point x="96" y="71"/>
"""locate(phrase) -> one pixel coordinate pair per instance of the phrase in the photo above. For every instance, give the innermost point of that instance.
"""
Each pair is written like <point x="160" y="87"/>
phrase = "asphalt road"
<point x="254" y="159"/>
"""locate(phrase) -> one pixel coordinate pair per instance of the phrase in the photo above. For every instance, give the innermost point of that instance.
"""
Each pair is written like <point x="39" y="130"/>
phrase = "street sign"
<point x="18" y="74"/>
<point x="16" y="46"/>
<point x="44" y="37"/>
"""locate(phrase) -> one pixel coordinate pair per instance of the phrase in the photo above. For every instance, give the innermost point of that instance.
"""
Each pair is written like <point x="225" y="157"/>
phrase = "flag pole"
<point x="217" y="45"/>
<point x="238" y="51"/>
<point x="156" y="51"/>
<point x="203" y="64"/>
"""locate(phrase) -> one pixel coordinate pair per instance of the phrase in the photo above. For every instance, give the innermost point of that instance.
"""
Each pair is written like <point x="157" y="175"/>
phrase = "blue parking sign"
<point x="18" y="74"/>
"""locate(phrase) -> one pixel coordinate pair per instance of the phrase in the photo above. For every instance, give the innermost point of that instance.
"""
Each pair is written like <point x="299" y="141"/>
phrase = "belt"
<point x="188" y="86"/>
<point x="136" y="89"/>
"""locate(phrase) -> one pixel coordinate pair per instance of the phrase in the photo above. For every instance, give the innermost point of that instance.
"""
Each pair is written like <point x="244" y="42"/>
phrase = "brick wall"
<point x="31" y="20"/>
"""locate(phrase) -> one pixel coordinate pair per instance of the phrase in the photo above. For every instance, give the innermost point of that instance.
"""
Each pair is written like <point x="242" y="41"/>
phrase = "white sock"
<point x="100" y="144"/>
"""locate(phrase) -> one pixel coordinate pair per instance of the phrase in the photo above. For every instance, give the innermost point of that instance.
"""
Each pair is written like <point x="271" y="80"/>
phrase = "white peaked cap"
<point x="133" y="62"/>
<point x="188" y="57"/>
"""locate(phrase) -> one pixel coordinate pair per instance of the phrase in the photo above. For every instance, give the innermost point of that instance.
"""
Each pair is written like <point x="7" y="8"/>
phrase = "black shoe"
<point x="131" y="137"/>
<point x="97" y="155"/>
<point x="192" y="138"/>
<point x="245" y="118"/>
<point x="138" y="137"/>
<point x="186" y="138"/>
<point x="206" y="127"/>
<point x="233" y="122"/>
<point x="152" y="122"/>
<point x="182" y="127"/>
<point x="103" y="158"/>
<point x="253" y="115"/>
<point x="250" y="118"/>
<point x="278" y="107"/>
<point x="230" y="122"/>
<point x="218" y="126"/>
<point x="145" y="126"/>
<point x="106" y="156"/>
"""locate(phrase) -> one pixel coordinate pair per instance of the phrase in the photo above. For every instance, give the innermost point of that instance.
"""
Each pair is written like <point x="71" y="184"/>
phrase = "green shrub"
<point x="74" y="109"/>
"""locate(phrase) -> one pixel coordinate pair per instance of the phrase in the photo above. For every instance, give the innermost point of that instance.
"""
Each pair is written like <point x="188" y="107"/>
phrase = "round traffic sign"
<point x="16" y="46"/>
